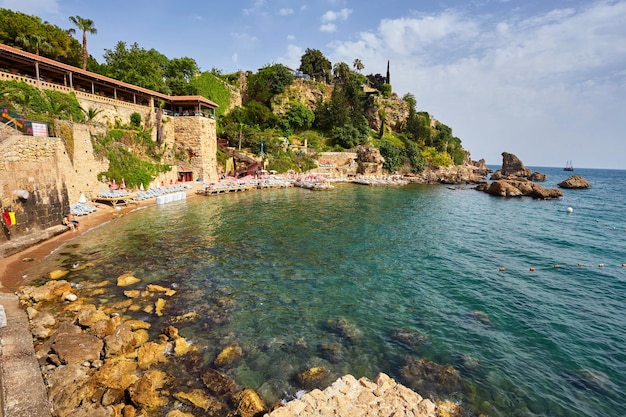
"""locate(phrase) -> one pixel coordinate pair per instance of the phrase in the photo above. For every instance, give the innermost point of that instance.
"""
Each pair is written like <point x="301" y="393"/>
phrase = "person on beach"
<point x="71" y="222"/>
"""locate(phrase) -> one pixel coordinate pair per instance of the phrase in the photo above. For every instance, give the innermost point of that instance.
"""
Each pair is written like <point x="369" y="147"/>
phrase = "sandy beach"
<point x="14" y="267"/>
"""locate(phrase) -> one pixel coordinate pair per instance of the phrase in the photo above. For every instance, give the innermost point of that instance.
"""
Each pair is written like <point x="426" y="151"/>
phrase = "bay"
<point x="302" y="279"/>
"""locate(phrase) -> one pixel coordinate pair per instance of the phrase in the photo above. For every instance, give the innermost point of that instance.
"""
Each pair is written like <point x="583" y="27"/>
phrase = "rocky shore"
<point x="96" y="360"/>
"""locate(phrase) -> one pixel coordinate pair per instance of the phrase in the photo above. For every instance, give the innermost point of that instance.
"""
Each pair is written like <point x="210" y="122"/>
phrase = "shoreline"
<point x="14" y="269"/>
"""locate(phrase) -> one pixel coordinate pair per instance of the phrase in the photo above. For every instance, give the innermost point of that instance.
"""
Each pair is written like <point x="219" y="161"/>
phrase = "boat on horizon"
<point x="568" y="166"/>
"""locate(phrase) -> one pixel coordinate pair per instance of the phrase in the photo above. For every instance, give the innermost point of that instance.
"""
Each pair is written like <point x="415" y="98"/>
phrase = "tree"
<point x="268" y="82"/>
<point x="347" y="136"/>
<point x="34" y="42"/>
<point x="358" y="65"/>
<point x="86" y="25"/>
<point x="376" y="81"/>
<point x="62" y="47"/>
<point x="315" y="64"/>
<point x="298" y="117"/>
<point x="144" y="68"/>
<point x="341" y="71"/>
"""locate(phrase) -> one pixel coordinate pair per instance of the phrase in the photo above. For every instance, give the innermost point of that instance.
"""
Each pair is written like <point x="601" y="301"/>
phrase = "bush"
<point x="135" y="120"/>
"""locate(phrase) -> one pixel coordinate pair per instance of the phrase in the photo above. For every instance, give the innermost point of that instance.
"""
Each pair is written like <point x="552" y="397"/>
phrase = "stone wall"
<point x="197" y="137"/>
<point x="32" y="164"/>
<point x="78" y="166"/>
<point x="55" y="171"/>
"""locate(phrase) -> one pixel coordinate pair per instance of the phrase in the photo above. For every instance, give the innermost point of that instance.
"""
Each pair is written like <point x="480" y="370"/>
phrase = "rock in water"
<point x="513" y="166"/>
<point x="575" y="182"/>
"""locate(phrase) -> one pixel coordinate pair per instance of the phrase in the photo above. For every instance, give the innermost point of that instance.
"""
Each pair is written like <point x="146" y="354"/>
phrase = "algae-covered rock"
<point x="248" y="403"/>
<point x="127" y="279"/>
<point x="228" y="356"/>
<point x="217" y="382"/>
<point x="145" y="392"/>
<point x="58" y="273"/>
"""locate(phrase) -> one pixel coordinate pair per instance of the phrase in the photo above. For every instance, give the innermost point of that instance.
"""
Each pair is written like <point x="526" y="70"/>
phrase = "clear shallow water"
<point x="275" y="271"/>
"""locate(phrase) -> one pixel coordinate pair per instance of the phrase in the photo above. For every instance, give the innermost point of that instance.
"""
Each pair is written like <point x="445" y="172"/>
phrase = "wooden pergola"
<point x="47" y="73"/>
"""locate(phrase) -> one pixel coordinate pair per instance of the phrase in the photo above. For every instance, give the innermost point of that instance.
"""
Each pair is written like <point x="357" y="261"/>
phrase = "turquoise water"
<point x="302" y="279"/>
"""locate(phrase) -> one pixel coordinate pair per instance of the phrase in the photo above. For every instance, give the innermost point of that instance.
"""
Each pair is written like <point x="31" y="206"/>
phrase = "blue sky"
<point x="543" y="79"/>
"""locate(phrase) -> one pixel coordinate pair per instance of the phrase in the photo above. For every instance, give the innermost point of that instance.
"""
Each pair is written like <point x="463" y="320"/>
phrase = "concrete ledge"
<point x="22" y="390"/>
<point x="24" y="242"/>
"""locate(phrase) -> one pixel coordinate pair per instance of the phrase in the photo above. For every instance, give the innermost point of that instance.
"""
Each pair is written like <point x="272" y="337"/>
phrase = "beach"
<point x="15" y="266"/>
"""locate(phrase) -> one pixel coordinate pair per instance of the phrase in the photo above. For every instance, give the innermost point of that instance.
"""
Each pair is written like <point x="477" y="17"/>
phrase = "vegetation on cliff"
<point x="330" y="107"/>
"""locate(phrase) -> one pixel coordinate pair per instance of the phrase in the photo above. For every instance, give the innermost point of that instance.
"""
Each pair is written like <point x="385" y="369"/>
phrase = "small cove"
<point x="302" y="279"/>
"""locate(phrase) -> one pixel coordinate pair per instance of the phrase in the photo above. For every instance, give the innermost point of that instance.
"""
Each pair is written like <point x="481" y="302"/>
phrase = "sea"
<point x="522" y="301"/>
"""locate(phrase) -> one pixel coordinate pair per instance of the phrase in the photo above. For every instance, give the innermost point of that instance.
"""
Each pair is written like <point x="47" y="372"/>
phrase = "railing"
<point x="183" y="114"/>
<point x="5" y="76"/>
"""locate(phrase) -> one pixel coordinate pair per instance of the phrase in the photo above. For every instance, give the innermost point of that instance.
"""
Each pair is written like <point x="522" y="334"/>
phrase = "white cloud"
<point x="331" y="16"/>
<point x="285" y="12"/>
<point x="246" y="37"/>
<point x="549" y="86"/>
<point x="328" y="27"/>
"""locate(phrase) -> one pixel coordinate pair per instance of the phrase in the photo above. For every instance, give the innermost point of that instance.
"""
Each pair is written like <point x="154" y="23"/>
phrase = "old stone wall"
<point x="197" y="137"/>
<point x="110" y="111"/>
<point x="31" y="185"/>
<point x="79" y="167"/>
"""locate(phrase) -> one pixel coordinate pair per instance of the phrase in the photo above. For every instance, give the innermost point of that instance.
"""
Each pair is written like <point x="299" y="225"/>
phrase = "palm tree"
<point x="86" y="25"/>
<point x="358" y="65"/>
<point x="33" y="42"/>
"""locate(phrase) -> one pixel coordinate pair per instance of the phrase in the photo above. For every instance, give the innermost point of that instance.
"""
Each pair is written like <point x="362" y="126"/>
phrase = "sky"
<point x="542" y="79"/>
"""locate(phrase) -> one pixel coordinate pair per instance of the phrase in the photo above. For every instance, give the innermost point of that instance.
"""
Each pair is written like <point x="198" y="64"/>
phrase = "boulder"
<point x="575" y="182"/>
<point x="49" y="291"/>
<point x="315" y="377"/>
<point x="538" y="177"/>
<point x="512" y="166"/>
<point x="248" y="403"/>
<point x="117" y="374"/>
<point x="145" y="392"/>
<point x="228" y="356"/>
<point x="201" y="399"/>
<point x="78" y="348"/>
<point x="513" y="169"/>
<point x="217" y="383"/>
<point x="519" y="188"/>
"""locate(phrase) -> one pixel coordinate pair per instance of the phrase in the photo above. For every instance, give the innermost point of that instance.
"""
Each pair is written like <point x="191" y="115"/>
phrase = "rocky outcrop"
<point x="348" y="397"/>
<point x="575" y="182"/>
<point x="458" y="174"/>
<point x="519" y="188"/>
<point x="514" y="168"/>
<point x="396" y="113"/>
<point x="97" y="363"/>
<point x="369" y="161"/>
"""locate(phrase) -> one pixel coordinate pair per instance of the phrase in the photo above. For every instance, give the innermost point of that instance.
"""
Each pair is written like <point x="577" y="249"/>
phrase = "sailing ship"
<point x="568" y="166"/>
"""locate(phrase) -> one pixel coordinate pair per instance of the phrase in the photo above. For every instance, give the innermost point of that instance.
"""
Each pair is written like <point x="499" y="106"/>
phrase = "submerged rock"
<point x="228" y="356"/>
<point x="429" y="377"/>
<point x="127" y="279"/>
<point x="346" y="329"/>
<point x="481" y="317"/>
<point x="217" y="382"/>
<point x="314" y="377"/>
<point x="409" y="338"/>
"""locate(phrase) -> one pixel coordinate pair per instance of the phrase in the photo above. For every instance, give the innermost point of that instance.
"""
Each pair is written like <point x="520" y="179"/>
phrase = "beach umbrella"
<point x="141" y="187"/>
<point x="82" y="199"/>
<point x="122" y="184"/>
